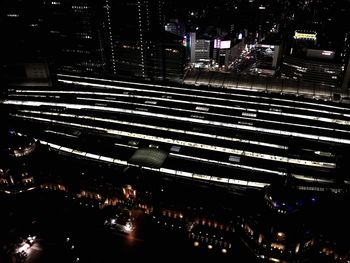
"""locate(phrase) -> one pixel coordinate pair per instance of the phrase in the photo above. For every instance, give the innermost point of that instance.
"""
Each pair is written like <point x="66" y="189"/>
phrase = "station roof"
<point x="150" y="157"/>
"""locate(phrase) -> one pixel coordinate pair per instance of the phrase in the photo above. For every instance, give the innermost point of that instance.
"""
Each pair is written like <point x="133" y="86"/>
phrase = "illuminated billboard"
<point x="222" y="44"/>
<point x="225" y="44"/>
<point x="217" y="43"/>
<point x="305" y="36"/>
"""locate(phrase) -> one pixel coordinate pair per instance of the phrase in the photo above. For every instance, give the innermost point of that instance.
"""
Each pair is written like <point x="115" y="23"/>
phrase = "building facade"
<point x="92" y="37"/>
<point x="322" y="73"/>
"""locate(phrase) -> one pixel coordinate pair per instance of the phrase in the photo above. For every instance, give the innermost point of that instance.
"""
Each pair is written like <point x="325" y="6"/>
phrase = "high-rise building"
<point x="202" y="50"/>
<point x="23" y="27"/>
<point x="132" y="36"/>
<point x="199" y="49"/>
<point x="66" y="33"/>
<point x="25" y="52"/>
<point x="317" y="46"/>
<point x="75" y="36"/>
<point x="172" y="58"/>
<point x="314" y="71"/>
<point x="346" y="81"/>
<point x="103" y="37"/>
<point x="223" y="52"/>
<point x="308" y="61"/>
<point x="172" y="27"/>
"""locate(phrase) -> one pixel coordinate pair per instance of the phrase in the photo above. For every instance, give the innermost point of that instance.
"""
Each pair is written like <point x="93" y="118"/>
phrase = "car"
<point x="123" y="222"/>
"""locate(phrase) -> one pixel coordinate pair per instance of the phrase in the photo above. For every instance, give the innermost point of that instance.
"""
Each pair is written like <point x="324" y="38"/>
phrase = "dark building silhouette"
<point x="100" y="38"/>
<point x="16" y="166"/>
<point x="317" y="42"/>
<point x="282" y="230"/>
<point x="25" y="53"/>
<point x="314" y="71"/>
<point x="139" y="42"/>
<point x="75" y="35"/>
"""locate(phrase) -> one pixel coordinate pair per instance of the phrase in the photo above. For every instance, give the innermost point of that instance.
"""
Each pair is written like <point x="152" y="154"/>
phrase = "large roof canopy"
<point x="150" y="157"/>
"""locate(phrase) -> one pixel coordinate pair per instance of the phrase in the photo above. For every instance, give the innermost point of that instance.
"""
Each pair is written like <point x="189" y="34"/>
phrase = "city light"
<point x="219" y="126"/>
<point x="306" y="36"/>
<point x="203" y="146"/>
<point x="24" y="247"/>
<point x="128" y="227"/>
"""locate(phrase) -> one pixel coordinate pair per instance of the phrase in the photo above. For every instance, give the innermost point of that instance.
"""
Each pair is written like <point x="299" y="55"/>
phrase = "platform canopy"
<point x="150" y="157"/>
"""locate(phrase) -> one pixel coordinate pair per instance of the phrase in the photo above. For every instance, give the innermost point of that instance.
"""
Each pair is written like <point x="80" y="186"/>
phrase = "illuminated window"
<point x="278" y="246"/>
<point x="261" y="237"/>
<point x="12" y="15"/>
<point x="248" y="229"/>
<point x="309" y="243"/>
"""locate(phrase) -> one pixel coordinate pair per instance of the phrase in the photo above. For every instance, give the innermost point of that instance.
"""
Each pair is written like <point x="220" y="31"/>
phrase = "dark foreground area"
<point x="65" y="231"/>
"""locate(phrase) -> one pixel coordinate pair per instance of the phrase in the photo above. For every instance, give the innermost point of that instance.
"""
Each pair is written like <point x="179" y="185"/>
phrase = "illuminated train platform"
<point x="288" y="87"/>
<point x="239" y="137"/>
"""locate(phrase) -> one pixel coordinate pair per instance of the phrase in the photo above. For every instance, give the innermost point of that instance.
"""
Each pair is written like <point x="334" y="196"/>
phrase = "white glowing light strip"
<point x="209" y="178"/>
<point x="187" y="119"/>
<point x="205" y="91"/>
<point x="220" y="115"/>
<point x="193" y="145"/>
<point x="61" y="133"/>
<point x="86" y="154"/>
<point x="106" y="159"/>
<point x="24" y="91"/>
<point x="227" y="164"/>
<point x="271" y="145"/>
<point x="338" y="121"/>
<point x="77" y="152"/>
<point x="162" y="170"/>
<point x="65" y="149"/>
<point x="124" y="145"/>
<point x="320" y="189"/>
<point x="312" y="179"/>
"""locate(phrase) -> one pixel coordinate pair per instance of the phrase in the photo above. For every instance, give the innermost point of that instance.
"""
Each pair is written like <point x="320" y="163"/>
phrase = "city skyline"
<point x="154" y="129"/>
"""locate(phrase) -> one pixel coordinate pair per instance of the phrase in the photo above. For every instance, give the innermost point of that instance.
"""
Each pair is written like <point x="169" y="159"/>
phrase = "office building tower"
<point x="172" y="58"/>
<point x="223" y="52"/>
<point x="346" y="81"/>
<point x="199" y="49"/>
<point x="25" y="49"/>
<point x="91" y="37"/>
<point x="202" y="50"/>
<point x="317" y="47"/>
<point x="308" y="61"/>
<point x="24" y="28"/>
<point x="76" y="36"/>
<point x="172" y="27"/>
<point x="132" y="36"/>
<point x="314" y="71"/>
